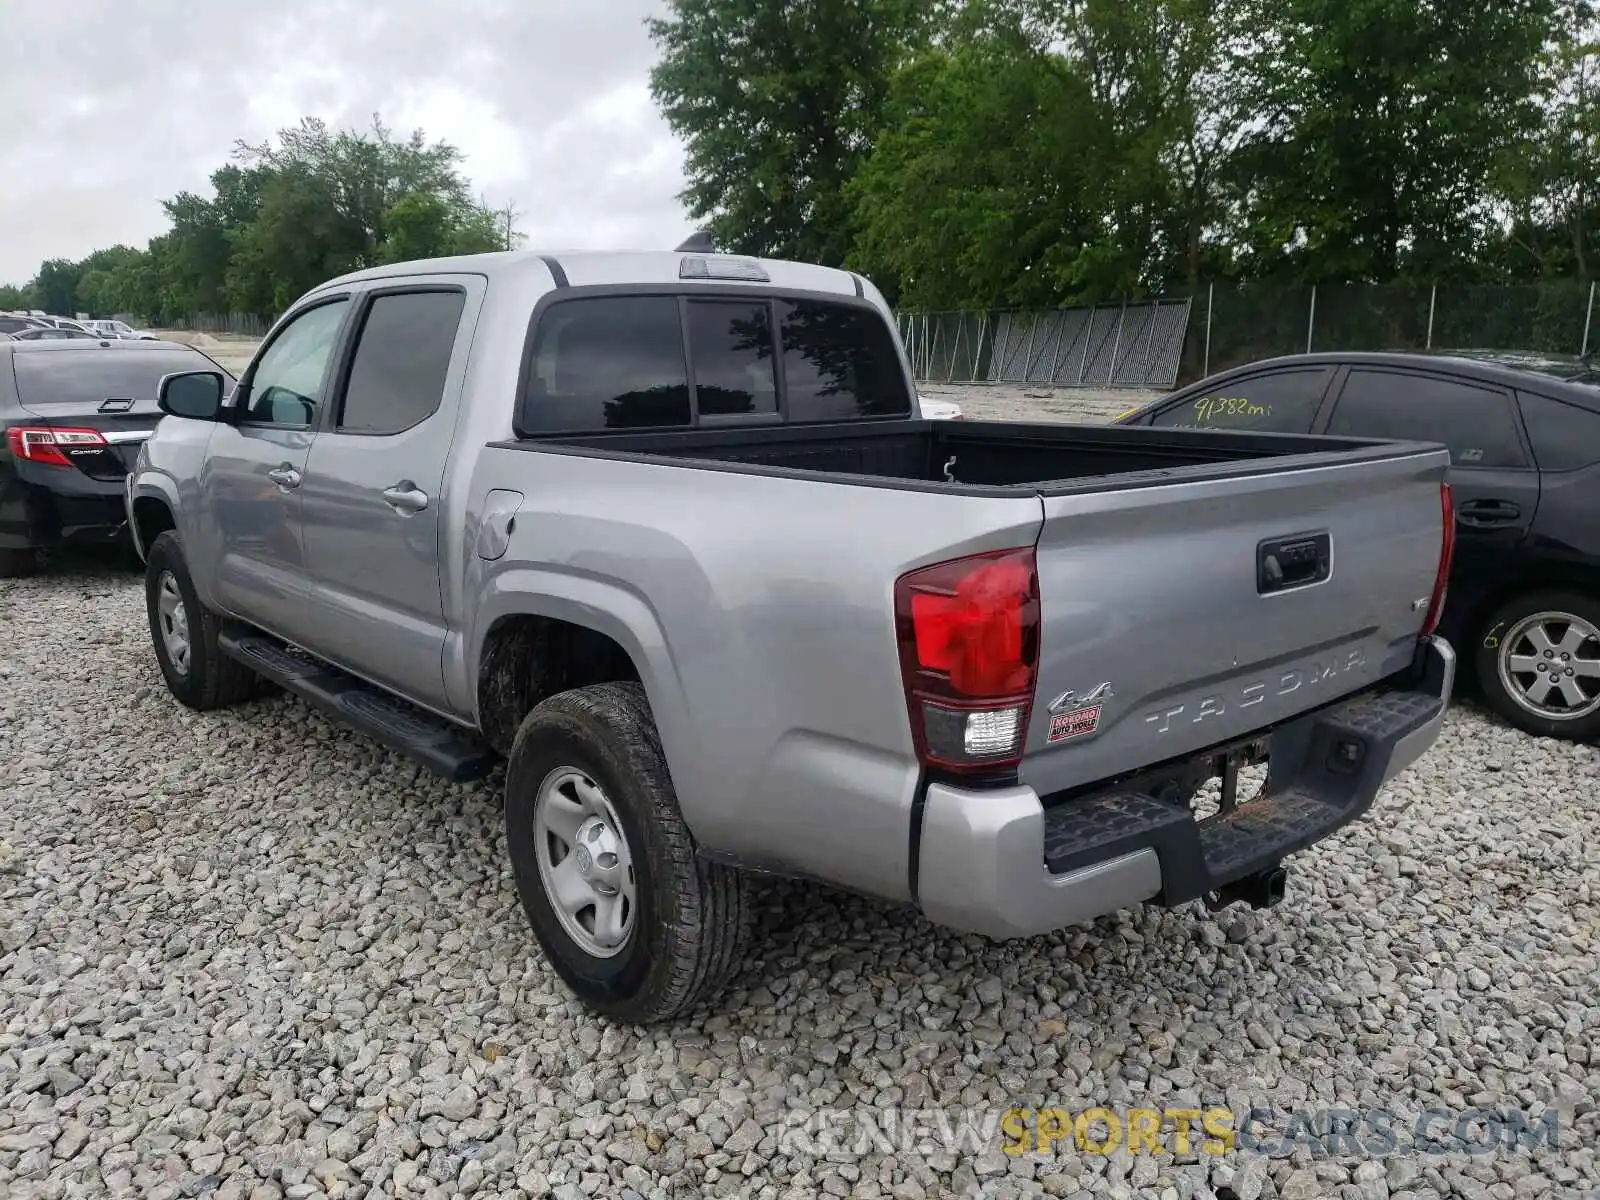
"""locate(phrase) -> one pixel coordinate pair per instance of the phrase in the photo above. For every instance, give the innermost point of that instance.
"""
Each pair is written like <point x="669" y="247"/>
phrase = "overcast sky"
<point x="109" y="108"/>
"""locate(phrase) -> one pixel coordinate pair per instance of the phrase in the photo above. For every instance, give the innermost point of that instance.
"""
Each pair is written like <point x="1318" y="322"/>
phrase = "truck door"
<point x="247" y="524"/>
<point x="375" y="486"/>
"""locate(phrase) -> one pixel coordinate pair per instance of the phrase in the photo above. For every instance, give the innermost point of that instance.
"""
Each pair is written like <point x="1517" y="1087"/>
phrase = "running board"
<point x="445" y="749"/>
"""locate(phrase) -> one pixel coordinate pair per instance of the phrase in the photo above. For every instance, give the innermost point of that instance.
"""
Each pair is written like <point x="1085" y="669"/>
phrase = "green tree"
<point x="778" y="104"/>
<point x="13" y="297"/>
<point x="956" y="217"/>
<point x="98" y="283"/>
<point x="1551" y="179"/>
<point x="55" y="287"/>
<point x="417" y="225"/>
<point x="1382" y="124"/>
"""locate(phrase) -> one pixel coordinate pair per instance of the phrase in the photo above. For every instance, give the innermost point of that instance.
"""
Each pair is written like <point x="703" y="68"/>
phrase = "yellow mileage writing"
<point x="1212" y="407"/>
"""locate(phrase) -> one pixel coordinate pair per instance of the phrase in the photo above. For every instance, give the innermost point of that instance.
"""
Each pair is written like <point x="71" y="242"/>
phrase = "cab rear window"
<point x="662" y="361"/>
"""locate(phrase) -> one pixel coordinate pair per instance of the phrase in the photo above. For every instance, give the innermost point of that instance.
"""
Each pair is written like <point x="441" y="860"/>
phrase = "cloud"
<point x="115" y="107"/>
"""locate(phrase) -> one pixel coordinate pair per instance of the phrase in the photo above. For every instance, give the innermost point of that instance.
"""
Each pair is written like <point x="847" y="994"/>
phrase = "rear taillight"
<point x="51" y="446"/>
<point x="969" y="656"/>
<point x="1447" y="552"/>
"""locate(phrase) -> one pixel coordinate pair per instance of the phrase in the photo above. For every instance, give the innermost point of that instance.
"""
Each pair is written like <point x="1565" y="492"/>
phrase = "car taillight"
<point x="1447" y="552"/>
<point x="969" y="657"/>
<point x="50" y="446"/>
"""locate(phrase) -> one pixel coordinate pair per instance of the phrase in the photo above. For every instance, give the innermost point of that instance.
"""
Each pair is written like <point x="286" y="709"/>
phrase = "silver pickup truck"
<point x="666" y="533"/>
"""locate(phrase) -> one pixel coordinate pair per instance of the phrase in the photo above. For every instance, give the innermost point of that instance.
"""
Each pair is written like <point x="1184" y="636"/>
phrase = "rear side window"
<point x="839" y="362"/>
<point x="86" y="378"/>
<point x="1277" y="402"/>
<point x="608" y="362"/>
<point x="1564" y="436"/>
<point x="1474" y="422"/>
<point x="402" y="357"/>
<point x="730" y="344"/>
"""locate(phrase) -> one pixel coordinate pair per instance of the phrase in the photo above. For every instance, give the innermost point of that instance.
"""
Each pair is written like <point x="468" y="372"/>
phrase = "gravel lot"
<point x="252" y="954"/>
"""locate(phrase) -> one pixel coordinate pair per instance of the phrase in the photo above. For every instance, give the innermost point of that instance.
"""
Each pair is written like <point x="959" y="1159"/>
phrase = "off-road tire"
<point x="1490" y="642"/>
<point x="690" y="919"/>
<point x="213" y="680"/>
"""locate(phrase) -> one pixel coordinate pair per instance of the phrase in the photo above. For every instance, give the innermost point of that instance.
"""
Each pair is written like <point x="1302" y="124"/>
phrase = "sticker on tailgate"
<point x="1079" y="722"/>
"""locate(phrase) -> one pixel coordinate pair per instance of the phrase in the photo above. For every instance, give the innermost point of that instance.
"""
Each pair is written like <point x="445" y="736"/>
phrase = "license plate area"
<point x="1238" y="776"/>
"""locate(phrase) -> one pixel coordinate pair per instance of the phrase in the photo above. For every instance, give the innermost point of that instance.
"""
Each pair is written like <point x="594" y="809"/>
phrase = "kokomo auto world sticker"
<point x="1075" y="723"/>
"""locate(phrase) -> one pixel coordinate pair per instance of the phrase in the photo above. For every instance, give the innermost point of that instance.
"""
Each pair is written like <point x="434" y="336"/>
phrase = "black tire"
<point x="210" y="679"/>
<point x="18" y="564"/>
<point x="690" y="917"/>
<point x="1495" y="643"/>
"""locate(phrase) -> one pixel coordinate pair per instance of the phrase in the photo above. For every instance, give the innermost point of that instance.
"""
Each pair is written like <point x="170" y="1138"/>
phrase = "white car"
<point x="120" y="329"/>
<point x="939" y="410"/>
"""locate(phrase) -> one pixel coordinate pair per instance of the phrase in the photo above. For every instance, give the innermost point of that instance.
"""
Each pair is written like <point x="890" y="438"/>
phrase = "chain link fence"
<point x="1123" y="345"/>
<point x="1158" y="343"/>
<point x="239" y="323"/>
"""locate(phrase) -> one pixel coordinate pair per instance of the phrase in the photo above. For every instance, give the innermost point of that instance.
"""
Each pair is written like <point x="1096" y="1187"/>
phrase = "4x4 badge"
<point x="1074" y="716"/>
<point x="1068" y="701"/>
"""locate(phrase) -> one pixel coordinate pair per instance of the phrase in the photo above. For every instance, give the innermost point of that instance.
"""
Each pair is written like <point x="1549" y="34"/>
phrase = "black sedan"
<point x="1523" y="432"/>
<point x="72" y="416"/>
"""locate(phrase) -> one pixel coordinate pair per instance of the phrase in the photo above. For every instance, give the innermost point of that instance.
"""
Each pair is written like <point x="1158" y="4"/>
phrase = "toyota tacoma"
<point x="667" y="535"/>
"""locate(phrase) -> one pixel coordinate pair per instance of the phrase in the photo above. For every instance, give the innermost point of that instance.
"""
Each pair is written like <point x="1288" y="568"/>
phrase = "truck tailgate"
<point x="1165" y="629"/>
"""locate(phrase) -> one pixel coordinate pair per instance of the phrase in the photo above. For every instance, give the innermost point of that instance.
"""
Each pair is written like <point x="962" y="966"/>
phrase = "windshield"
<point x="84" y="380"/>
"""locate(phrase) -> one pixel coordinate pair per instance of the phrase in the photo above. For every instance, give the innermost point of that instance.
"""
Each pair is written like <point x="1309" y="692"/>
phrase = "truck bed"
<point x="988" y="457"/>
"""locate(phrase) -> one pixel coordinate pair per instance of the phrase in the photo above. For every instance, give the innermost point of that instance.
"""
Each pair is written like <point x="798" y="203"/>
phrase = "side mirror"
<point x="193" y="394"/>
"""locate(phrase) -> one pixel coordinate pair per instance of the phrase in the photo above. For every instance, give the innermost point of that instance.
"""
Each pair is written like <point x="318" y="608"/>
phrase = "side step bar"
<point x="445" y="749"/>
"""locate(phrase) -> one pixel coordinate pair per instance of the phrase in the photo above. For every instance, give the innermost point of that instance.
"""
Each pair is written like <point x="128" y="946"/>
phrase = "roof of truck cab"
<point x="583" y="268"/>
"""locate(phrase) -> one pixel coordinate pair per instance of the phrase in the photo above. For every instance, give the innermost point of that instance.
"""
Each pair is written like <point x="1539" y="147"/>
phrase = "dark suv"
<point x="72" y="416"/>
<point x="1524" y="438"/>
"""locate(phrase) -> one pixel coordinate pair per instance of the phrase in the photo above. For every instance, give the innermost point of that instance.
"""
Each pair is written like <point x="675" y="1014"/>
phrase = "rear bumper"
<point x="46" y="506"/>
<point x="1004" y="864"/>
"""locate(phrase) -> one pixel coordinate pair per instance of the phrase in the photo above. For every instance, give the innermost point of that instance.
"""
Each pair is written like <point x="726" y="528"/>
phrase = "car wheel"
<point x="185" y="633"/>
<point x="1538" y="662"/>
<point x="18" y="564"/>
<point x="632" y="918"/>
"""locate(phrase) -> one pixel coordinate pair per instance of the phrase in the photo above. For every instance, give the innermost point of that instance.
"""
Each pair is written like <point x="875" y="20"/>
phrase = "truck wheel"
<point x="185" y="634"/>
<point x="632" y="918"/>
<point x="18" y="564"/>
<point x="1538" y="662"/>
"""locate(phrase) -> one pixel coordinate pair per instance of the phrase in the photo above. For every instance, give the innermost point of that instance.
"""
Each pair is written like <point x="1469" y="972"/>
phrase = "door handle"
<point x="405" y="497"/>
<point x="1488" y="512"/>
<point x="285" y="477"/>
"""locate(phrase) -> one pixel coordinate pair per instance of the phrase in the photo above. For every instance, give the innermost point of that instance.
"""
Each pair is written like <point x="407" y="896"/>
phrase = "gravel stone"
<point x="251" y="955"/>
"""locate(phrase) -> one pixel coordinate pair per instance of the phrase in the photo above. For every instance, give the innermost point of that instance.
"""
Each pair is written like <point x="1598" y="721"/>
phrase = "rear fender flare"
<point x="618" y="612"/>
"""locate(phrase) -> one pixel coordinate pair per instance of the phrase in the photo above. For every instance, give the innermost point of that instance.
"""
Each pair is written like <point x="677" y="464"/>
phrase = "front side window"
<point x="401" y="360"/>
<point x="1276" y="402"/>
<point x="286" y="383"/>
<point x="1474" y="422"/>
<point x="608" y="362"/>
